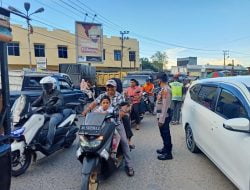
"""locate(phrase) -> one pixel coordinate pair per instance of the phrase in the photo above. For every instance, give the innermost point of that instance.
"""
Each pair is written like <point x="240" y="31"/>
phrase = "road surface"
<point x="186" y="171"/>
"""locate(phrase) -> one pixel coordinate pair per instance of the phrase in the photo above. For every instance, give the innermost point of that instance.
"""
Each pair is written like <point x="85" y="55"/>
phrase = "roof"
<point x="218" y="67"/>
<point x="234" y="80"/>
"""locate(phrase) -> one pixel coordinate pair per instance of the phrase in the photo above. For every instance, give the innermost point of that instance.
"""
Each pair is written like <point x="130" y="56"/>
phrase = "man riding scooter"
<point x="55" y="110"/>
<point x="148" y="88"/>
<point x="116" y="99"/>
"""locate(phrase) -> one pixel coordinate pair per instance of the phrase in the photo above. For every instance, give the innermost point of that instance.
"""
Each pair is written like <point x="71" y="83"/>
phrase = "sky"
<point x="181" y="28"/>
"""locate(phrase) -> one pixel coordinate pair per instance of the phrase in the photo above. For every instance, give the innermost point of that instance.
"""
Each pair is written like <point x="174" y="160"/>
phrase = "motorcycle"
<point x="30" y="133"/>
<point x="141" y="109"/>
<point x="96" y="149"/>
<point x="147" y="104"/>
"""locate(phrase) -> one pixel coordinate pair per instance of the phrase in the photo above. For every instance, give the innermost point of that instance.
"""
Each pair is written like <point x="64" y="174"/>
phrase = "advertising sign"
<point x="89" y="42"/>
<point x="41" y="63"/>
<point x="5" y="30"/>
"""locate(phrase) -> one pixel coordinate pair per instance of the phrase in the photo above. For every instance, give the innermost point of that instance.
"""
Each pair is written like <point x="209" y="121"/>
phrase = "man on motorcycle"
<point x="148" y="87"/>
<point x="54" y="108"/>
<point x="116" y="99"/>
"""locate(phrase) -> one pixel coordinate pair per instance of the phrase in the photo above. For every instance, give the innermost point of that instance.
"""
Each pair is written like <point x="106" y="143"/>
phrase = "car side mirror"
<point x="237" y="124"/>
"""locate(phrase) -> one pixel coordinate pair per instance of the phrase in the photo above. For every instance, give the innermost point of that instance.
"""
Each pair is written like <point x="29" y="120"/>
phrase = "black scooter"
<point x="96" y="149"/>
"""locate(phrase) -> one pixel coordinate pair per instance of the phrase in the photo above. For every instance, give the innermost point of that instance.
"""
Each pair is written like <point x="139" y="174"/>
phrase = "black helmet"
<point x="163" y="77"/>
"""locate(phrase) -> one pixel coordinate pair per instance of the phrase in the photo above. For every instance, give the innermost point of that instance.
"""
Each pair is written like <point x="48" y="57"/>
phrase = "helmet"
<point x="148" y="79"/>
<point x="48" y="83"/>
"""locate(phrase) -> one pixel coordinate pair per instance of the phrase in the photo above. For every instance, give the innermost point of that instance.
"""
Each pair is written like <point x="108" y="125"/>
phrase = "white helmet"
<point x="48" y="83"/>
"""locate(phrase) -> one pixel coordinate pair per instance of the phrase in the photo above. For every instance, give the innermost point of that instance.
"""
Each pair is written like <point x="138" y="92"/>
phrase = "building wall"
<point x="53" y="39"/>
<point x="186" y="61"/>
<point x="114" y="43"/>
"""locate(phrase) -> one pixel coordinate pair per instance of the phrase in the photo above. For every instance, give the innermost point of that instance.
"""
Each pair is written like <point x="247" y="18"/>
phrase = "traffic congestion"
<point x="86" y="104"/>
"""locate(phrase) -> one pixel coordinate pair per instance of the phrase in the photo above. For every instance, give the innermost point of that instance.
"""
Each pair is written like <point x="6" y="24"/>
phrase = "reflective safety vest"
<point x="176" y="90"/>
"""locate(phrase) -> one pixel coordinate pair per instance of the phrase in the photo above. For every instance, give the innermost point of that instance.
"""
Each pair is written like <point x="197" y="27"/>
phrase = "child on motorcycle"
<point x="105" y="107"/>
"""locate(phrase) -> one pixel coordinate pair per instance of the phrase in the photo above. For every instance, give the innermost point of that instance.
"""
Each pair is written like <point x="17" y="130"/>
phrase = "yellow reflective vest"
<point x="176" y="90"/>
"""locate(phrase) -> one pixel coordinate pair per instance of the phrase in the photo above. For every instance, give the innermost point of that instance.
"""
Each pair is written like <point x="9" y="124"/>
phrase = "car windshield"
<point x="140" y="79"/>
<point x="33" y="83"/>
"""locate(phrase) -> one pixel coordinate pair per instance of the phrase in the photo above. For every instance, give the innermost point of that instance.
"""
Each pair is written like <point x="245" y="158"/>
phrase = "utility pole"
<point x="94" y="18"/>
<point x="29" y="32"/>
<point x="122" y="46"/>
<point x="232" y="72"/>
<point x="225" y="53"/>
<point x="86" y="15"/>
<point x="28" y="19"/>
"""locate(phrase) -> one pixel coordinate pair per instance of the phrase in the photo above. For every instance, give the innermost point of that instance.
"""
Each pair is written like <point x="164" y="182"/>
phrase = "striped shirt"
<point x="115" y="100"/>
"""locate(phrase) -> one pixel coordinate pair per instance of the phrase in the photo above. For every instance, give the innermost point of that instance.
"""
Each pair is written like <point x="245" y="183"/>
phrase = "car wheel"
<point x="190" y="142"/>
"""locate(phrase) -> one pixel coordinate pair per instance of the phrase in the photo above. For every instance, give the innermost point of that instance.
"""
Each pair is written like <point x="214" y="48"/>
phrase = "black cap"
<point x="163" y="77"/>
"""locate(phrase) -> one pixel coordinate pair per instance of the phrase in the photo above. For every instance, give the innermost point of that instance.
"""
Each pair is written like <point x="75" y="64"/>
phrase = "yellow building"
<point x="58" y="46"/>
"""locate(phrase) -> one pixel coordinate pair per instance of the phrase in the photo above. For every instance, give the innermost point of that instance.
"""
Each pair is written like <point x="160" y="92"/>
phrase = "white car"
<point x="215" y="117"/>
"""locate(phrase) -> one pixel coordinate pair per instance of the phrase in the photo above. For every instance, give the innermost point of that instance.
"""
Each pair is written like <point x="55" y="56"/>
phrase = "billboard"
<point x="89" y="42"/>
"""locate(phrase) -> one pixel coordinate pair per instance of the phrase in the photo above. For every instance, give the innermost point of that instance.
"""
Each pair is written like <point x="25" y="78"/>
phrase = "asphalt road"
<point x="186" y="171"/>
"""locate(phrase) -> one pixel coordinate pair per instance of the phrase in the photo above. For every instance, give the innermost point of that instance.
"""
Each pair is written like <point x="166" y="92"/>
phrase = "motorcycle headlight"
<point x="84" y="142"/>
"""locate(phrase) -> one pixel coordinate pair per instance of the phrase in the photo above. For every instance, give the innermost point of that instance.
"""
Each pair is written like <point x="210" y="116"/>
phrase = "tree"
<point x="147" y="65"/>
<point x="159" y="59"/>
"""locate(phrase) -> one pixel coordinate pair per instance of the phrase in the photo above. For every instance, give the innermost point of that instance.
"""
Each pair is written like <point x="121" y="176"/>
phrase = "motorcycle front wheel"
<point x="20" y="163"/>
<point x="90" y="181"/>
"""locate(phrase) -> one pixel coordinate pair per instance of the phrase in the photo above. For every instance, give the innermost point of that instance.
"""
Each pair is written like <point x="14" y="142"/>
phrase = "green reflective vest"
<point x="176" y="90"/>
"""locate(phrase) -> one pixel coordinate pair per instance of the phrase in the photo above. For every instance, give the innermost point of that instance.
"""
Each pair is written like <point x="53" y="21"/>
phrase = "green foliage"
<point x="156" y="62"/>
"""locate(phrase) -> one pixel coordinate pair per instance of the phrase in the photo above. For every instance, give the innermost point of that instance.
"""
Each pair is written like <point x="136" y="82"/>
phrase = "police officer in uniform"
<point x="164" y="115"/>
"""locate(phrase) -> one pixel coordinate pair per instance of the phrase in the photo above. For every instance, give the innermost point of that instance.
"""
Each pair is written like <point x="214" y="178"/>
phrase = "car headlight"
<point x="84" y="142"/>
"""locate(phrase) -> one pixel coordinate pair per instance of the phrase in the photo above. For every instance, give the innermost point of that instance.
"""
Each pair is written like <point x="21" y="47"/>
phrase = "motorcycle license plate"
<point x="90" y="130"/>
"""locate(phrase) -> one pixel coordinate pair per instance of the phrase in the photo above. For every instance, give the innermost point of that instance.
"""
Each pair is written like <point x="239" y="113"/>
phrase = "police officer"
<point x="164" y="117"/>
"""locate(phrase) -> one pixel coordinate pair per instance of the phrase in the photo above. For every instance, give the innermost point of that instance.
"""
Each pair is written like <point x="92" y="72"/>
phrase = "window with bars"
<point x="62" y="52"/>
<point x="132" y="56"/>
<point x="117" y="55"/>
<point x="39" y="50"/>
<point x="104" y="54"/>
<point x="13" y="49"/>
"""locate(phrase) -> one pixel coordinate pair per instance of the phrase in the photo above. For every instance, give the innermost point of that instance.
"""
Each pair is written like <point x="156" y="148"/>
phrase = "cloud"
<point x="212" y="61"/>
<point x="175" y="53"/>
<point x="172" y="54"/>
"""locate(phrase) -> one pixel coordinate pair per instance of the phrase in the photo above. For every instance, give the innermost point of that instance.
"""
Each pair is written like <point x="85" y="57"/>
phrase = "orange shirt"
<point x="148" y="88"/>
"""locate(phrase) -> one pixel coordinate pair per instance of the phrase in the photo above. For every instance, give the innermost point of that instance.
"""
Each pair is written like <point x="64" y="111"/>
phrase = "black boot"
<point x="160" y="151"/>
<point x="165" y="156"/>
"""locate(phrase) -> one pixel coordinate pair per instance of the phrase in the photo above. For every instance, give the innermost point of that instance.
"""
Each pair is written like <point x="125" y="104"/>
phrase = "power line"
<point x="75" y="34"/>
<point x="140" y="36"/>
<point x="149" y="38"/>
<point x="146" y="38"/>
<point x="55" y="38"/>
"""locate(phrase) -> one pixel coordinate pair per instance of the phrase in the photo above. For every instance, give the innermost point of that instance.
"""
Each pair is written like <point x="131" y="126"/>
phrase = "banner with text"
<point x="89" y="42"/>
